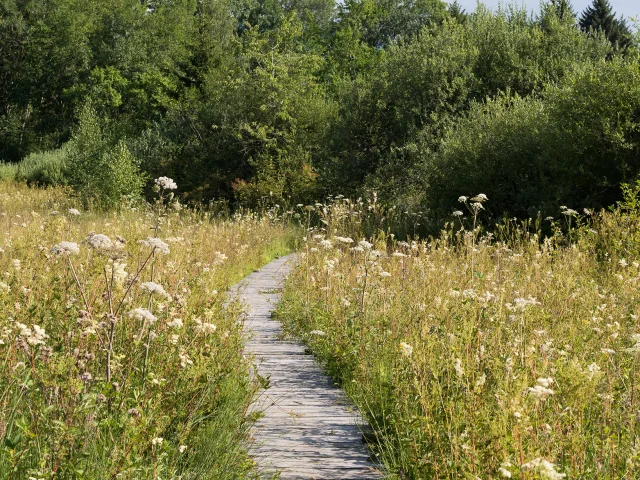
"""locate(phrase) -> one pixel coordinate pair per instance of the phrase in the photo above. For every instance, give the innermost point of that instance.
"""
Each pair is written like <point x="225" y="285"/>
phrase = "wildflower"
<point x="65" y="248"/>
<point x="74" y="212"/>
<point x="157" y="441"/>
<point x="346" y="240"/>
<point x="184" y="360"/>
<point x="608" y="351"/>
<point x="623" y="263"/>
<point x="99" y="241"/>
<point x="481" y="380"/>
<point x="119" y="273"/>
<point x="593" y="370"/>
<point x="319" y="333"/>
<point x="503" y="470"/>
<point x="568" y="211"/>
<point x="542" y="391"/>
<point x="86" y="377"/>
<point x="457" y="213"/>
<point x="17" y="264"/>
<point x="481" y="197"/>
<point x="165" y="183"/>
<point x="153" y="288"/>
<point x="157" y="244"/>
<point x="545" y="468"/>
<point x="398" y="254"/>
<point x="177" y="323"/>
<point x="144" y="315"/>
<point x="462" y="199"/>
<point x="326" y="244"/>
<point x="204" y="327"/>
<point x="182" y="448"/>
<point x="406" y="349"/>
<point x="365" y="245"/>
<point x="458" y="367"/>
<point x="345" y="302"/>
<point x="384" y="274"/>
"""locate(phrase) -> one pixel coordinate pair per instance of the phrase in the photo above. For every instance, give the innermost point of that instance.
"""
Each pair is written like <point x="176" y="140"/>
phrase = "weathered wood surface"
<point x="309" y="430"/>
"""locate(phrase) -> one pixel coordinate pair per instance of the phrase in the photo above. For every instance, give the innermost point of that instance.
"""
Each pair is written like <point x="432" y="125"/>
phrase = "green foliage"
<point x="43" y="168"/>
<point x="102" y="170"/>
<point x="573" y="145"/>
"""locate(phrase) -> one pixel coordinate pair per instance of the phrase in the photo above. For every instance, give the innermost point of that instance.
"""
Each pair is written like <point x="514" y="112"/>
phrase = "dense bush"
<point x="573" y="144"/>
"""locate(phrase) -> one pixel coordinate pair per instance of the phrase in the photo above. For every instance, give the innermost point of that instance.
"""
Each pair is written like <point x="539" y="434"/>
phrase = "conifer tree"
<point x="599" y="17"/>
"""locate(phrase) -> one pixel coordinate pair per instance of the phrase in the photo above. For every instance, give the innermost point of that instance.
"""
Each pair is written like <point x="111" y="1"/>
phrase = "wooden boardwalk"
<point x="309" y="429"/>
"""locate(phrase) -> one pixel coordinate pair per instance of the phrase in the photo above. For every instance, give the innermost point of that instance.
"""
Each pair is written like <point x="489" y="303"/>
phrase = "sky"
<point x="627" y="8"/>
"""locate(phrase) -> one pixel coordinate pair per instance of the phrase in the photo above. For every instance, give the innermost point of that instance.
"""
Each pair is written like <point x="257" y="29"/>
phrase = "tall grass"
<point x="483" y="355"/>
<point x="119" y="355"/>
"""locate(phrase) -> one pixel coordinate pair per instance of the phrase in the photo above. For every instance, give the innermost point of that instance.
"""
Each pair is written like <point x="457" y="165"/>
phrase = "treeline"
<point x="288" y="101"/>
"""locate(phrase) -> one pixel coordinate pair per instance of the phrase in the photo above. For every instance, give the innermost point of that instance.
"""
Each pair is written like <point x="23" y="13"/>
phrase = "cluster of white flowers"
<point x="521" y="304"/>
<point x="156" y="243"/>
<point x="319" y="333"/>
<point x="184" y="360"/>
<point x="544" y="468"/>
<point x="326" y="244"/>
<point x="503" y="470"/>
<point x="65" y="248"/>
<point x="541" y="391"/>
<point x="345" y="240"/>
<point x="458" y="367"/>
<point x="119" y="273"/>
<point x="143" y="314"/>
<point x="99" y="241"/>
<point x="74" y="212"/>
<point x="204" y="327"/>
<point x="166" y="183"/>
<point x="406" y="349"/>
<point x="176" y="323"/>
<point x="35" y="336"/>
<point x="4" y="288"/>
<point x="154" y="289"/>
<point x="569" y="212"/>
<point x="157" y="441"/>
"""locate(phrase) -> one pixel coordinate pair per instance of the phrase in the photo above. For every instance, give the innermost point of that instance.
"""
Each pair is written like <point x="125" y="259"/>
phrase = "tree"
<point x="560" y="11"/>
<point x="599" y="17"/>
<point x="456" y="11"/>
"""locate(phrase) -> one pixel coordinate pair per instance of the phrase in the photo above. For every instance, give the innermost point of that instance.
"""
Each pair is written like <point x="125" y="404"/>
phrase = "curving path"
<point x="309" y="429"/>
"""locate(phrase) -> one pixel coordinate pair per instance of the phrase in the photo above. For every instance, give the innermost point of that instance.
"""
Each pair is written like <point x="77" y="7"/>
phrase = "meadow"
<point x="120" y="356"/>
<point x="495" y="350"/>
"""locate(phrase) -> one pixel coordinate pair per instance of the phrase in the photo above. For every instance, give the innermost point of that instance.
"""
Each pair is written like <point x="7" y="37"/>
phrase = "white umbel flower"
<point x="154" y="289"/>
<point x="143" y="314"/>
<point x="65" y="248"/>
<point x="166" y="183"/>
<point x="157" y="244"/>
<point x="99" y="241"/>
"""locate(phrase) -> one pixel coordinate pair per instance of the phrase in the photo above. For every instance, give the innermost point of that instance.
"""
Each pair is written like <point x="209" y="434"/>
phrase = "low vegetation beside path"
<point x="118" y="355"/>
<point x="509" y="354"/>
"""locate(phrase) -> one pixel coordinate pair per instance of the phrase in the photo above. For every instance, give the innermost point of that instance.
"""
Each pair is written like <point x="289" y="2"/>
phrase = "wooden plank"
<point x="308" y="428"/>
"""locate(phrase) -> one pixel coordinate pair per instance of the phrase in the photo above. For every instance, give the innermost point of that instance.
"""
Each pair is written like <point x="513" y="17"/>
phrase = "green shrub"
<point x="8" y="171"/>
<point x="43" y="168"/>
<point x="574" y="144"/>
<point x="101" y="169"/>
